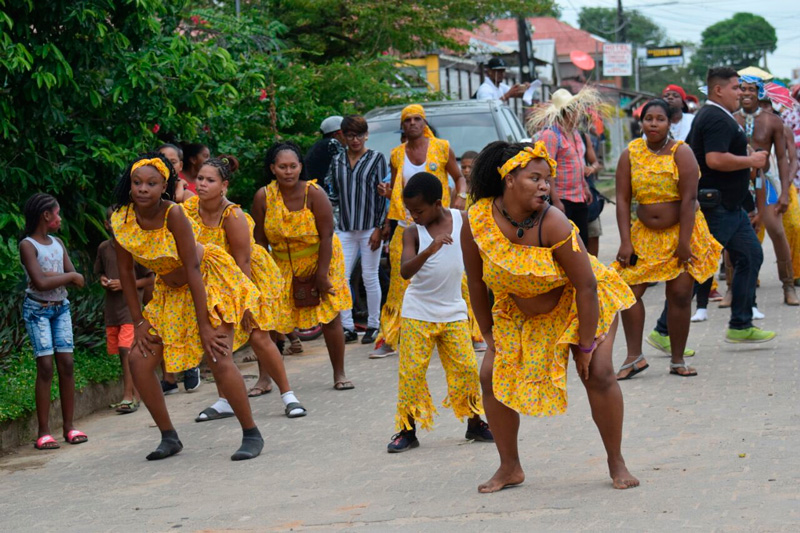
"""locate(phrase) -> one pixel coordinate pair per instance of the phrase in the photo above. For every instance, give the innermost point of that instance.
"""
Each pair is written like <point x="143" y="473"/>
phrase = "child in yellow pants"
<point x="434" y="313"/>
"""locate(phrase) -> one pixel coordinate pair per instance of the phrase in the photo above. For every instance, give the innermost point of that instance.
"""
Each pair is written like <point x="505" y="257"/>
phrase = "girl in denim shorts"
<point x="46" y="314"/>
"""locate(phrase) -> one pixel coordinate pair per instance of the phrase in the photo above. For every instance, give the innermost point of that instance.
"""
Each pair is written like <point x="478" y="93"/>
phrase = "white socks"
<point x="701" y="315"/>
<point x="222" y="406"/>
<point x="288" y="397"/>
<point x="758" y="315"/>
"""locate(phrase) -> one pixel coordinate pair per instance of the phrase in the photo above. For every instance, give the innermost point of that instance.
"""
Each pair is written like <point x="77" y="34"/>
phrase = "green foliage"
<point x="639" y="29"/>
<point x="740" y="41"/>
<point x="18" y="379"/>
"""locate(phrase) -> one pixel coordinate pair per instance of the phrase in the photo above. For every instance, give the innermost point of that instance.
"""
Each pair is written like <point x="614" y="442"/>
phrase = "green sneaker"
<point x="751" y="335"/>
<point x="661" y="343"/>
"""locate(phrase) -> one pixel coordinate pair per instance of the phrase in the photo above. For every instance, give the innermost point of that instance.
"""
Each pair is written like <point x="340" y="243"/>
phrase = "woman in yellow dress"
<point x="551" y="297"/>
<point x="224" y="224"/>
<point x="199" y="295"/>
<point x="294" y="218"/>
<point x="670" y="239"/>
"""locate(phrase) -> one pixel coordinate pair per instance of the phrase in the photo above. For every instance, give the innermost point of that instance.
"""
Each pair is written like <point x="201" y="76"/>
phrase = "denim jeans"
<point x="733" y="231"/>
<point x="49" y="327"/>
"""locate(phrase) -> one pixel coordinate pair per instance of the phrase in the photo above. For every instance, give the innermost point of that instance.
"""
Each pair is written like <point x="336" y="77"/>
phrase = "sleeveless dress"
<point x="171" y="312"/>
<point x="263" y="270"/>
<point x="654" y="179"/>
<point x="296" y="231"/>
<point x="530" y="365"/>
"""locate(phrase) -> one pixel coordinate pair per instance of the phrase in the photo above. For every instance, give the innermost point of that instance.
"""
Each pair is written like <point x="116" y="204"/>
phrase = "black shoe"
<point x="168" y="388"/>
<point x="369" y="336"/>
<point x="479" y="432"/>
<point x="350" y="336"/>
<point x="403" y="441"/>
<point x="191" y="379"/>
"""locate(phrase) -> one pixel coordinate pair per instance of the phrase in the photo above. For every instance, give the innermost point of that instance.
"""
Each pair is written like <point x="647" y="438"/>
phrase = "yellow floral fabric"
<point x="263" y="270"/>
<point x="417" y="340"/>
<point x="435" y="163"/>
<point x="791" y="226"/>
<point x="474" y="328"/>
<point x="171" y="312"/>
<point x="530" y="366"/>
<point x="390" y="313"/>
<point x="294" y="232"/>
<point x="654" y="178"/>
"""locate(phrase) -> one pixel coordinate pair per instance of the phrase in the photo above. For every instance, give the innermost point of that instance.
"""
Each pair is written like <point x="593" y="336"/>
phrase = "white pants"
<point x="354" y="242"/>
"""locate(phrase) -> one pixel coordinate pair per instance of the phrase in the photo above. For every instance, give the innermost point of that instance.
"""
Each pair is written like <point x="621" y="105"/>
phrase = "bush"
<point x="18" y="378"/>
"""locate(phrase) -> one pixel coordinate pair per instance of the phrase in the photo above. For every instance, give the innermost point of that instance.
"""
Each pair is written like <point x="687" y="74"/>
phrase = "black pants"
<point x="578" y="212"/>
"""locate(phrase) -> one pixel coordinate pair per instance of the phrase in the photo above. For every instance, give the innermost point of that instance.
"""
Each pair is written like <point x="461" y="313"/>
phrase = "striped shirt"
<point x="567" y="150"/>
<point x="355" y="190"/>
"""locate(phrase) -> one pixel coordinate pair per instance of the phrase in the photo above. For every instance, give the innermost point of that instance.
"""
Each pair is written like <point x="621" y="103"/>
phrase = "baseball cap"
<point x="331" y="124"/>
<point x="496" y="63"/>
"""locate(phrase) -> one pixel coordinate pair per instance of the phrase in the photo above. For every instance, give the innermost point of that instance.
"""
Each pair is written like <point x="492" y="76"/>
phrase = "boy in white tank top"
<point x="434" y="314"/>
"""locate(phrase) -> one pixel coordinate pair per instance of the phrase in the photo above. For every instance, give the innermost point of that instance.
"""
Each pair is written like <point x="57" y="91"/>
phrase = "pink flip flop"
<point x="47" y="442"/>
<point x="76" y="437"/>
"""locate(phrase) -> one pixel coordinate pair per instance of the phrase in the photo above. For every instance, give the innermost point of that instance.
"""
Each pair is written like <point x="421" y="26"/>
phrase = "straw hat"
<point x="757" y="72"/>
<point x="561" y="101"/>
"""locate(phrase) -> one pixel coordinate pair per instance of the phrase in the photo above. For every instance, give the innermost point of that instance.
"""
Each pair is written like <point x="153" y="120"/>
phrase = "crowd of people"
<point x="494" y="254"/>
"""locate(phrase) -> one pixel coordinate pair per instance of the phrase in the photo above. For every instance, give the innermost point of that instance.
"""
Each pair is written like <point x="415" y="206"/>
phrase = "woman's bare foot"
<point x="504" y="477"/>
<point x="262" y="386"/>
<point x="620" y="476"/>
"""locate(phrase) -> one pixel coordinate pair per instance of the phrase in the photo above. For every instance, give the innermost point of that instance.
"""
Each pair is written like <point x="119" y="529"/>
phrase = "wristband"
<point x="140" y="323"/>
<point x="590" y="348"/>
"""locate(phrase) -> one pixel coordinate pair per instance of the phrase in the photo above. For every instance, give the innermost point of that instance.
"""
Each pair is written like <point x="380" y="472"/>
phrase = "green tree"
<point x="639" y="29"/>
<point x="740" y="41"/>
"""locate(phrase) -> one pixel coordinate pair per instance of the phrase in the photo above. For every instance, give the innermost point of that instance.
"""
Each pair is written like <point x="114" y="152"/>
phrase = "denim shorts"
<point x="49" y="327"/>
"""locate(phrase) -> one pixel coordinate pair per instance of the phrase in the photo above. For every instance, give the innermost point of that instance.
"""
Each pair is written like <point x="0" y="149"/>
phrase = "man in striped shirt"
<point x="352" y="180"/>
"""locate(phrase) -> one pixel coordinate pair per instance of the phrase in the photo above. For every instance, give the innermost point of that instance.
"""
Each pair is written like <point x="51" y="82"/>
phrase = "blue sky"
<point x="686" y="20"/>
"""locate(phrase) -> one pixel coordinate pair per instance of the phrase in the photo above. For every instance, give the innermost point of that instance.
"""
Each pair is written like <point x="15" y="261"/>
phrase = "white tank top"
<point x="434" y="293"/>
<point x="51" y="259"/>
<point x="409" y="169"/>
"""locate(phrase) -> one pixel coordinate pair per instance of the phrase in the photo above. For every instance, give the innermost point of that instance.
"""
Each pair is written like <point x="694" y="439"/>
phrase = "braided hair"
<point x="35" y="207"/>
<point x="485" y="180"/>
<point x="272" y="154"/>
<point x="122" y="192"/>
<point x="225" y="164"/>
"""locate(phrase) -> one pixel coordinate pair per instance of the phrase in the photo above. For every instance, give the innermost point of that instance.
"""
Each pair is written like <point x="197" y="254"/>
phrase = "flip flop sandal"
<point x="128" y="406"/>
<point x="294" y="406"/>
<point x="261" y="392"/>
<point x="344" y="385"/>
<point x="685" y="366"/>
<point x="634" y="369"/>
<point x="76" y="437"/>
<point x="46" y="442"/>
<point x="211" y="414"/>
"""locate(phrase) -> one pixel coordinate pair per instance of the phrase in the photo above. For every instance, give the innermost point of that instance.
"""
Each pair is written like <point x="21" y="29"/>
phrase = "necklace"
<point x="749" y="121"/>
<point x="528" y="223"/>
<point x="656" y="152"/>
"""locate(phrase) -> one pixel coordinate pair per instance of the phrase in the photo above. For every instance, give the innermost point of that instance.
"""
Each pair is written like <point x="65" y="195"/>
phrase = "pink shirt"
<point x="568" y="151"/>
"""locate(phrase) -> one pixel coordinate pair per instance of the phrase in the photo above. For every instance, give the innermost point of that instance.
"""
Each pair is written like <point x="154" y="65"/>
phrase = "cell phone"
<point x="633" y="260"/>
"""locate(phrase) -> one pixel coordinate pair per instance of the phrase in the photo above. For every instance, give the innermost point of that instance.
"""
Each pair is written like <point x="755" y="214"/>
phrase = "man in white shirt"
<point x="681" y="120"/>
<point x="493" y="87"/>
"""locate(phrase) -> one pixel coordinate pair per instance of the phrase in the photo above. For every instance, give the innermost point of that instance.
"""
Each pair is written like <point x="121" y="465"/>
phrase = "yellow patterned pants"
<point x="791" y="226"/>
<point x="452" y="339"/>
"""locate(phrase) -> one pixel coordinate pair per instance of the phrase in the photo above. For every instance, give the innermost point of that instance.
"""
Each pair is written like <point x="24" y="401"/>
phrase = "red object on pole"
<point x="582" y="60"/>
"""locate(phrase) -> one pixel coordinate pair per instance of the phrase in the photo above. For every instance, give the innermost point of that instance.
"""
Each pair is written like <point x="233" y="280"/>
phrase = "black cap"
<point x="496" y="63"/>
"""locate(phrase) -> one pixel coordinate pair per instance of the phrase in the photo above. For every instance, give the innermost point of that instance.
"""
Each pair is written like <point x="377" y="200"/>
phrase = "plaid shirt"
<point x="568" y="151"/>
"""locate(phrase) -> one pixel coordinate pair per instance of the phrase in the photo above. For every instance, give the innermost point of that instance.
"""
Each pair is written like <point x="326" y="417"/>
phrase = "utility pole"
<point x="526" y="65"/>
<point x="238" y="8"/>
<point x="620" y="35"/>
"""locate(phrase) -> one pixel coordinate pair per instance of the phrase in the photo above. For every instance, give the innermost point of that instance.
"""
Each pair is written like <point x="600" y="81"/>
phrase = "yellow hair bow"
<point x="155" y="162"/>
<point x="521" y="160"/>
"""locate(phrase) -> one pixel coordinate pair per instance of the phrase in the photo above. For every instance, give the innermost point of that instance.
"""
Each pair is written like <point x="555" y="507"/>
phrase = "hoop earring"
<point x="165" y="195"/>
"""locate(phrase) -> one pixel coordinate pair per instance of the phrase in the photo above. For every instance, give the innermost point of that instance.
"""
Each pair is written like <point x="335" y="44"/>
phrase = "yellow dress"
<point x="435" y="163"/>
<point x="171" y="312"/>
<point x="530" y="365"/>
<point x="654" y="179"/>
<point x="296" y="232"/>
<point x="263" y="271"/>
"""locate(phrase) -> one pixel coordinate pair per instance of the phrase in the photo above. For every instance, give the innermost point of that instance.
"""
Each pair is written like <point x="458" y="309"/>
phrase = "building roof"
<point x="566" y="37"/>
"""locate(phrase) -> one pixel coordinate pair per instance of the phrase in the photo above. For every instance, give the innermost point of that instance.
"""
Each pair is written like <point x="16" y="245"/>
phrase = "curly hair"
<point x="122" y="192"/>
<point x="35" y="207"/>
<point x="485" y="177"/>
<point x="272" y="154"/>
<point x="225" y="164"/>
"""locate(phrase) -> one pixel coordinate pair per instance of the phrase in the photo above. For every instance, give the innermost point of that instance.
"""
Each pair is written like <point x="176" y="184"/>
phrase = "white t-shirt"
<point x="680" y="130"/>
<point x="489" y="91"/>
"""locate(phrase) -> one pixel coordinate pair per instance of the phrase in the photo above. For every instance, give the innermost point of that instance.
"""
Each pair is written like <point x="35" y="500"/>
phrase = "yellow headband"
<point x="415" y="109"/>
<point x="521" y="160"/>
<point x="155" y="162"/>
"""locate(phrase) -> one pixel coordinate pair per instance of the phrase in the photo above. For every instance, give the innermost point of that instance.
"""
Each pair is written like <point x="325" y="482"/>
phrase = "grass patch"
<point x="18" y="378"/>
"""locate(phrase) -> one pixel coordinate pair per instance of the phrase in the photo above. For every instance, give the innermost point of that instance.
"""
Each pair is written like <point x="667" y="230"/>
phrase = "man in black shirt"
<point x="720" y="146"/>
<point x="319" y="156"/>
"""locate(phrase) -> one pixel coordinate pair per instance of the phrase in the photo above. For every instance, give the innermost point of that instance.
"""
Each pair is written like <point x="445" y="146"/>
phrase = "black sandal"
<point x="211" y="414"/>
<point x="291" y="407"/>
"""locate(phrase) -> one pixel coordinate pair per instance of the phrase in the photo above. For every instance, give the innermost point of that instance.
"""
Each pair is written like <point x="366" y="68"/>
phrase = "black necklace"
<point x="528" y="223"/>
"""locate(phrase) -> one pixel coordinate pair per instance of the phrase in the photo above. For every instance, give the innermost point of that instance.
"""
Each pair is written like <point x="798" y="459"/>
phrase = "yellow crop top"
<point x="215" y="234"/>
<point x="654" y="178"/>
<point x="284" y="228"/>
<point x="155" y="248"/>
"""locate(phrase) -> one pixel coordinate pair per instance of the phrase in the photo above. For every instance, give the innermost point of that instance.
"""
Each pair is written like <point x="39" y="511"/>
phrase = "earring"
<point x="165" y="195"/>
<point x="547" y="199"/>
<point x="222" y="194"/>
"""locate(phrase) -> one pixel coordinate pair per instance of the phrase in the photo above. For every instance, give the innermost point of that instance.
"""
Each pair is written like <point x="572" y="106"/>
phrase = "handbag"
<point x="304" y="288"/>
<point x="709" y="198"/>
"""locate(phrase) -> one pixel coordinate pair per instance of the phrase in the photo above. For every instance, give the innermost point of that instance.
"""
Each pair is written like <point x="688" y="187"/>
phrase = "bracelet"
<point x="140" y="323"/>
<point x="590" y="348"/>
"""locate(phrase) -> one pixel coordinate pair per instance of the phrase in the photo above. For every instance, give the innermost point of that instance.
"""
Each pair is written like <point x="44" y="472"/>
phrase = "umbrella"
<point x="582" y="60"/>
<point x="757" y="72"/>
<point x="779" y="94"/>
